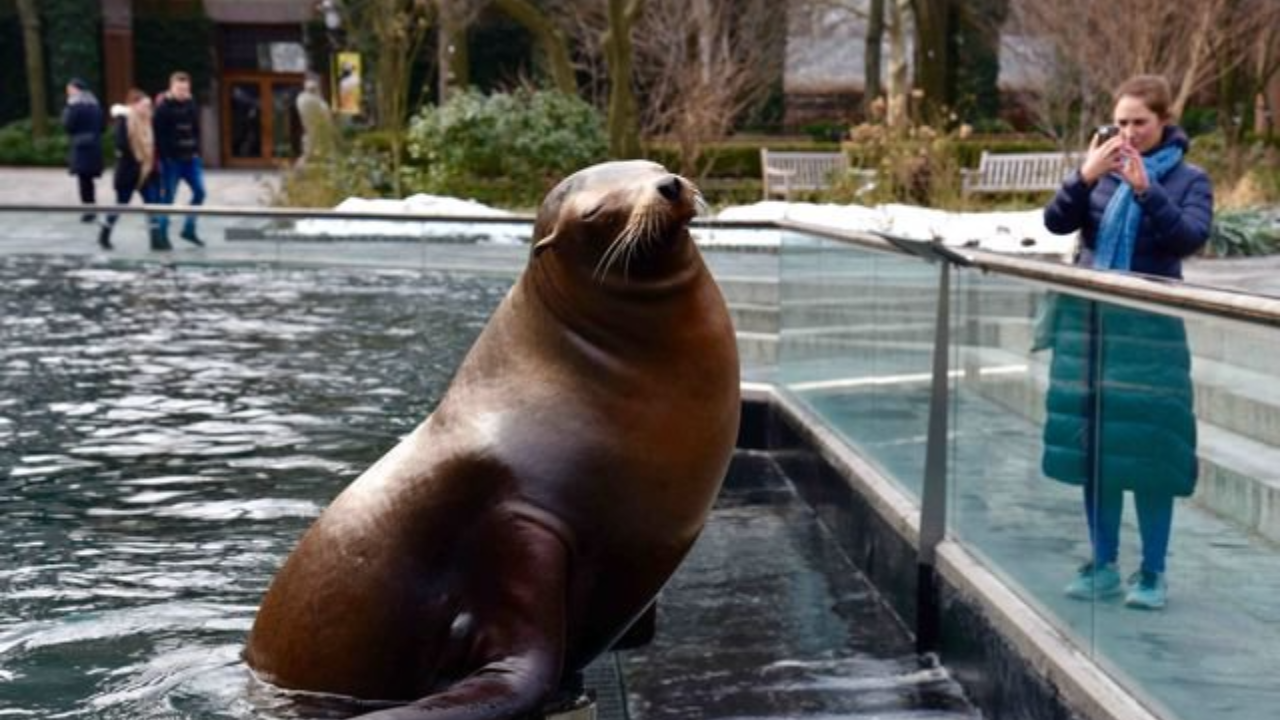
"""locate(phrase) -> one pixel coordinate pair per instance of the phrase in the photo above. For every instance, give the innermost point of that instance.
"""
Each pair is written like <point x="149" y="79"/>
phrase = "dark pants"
<point x="87" y="194"/>
<point x="150" y="194"/>
<point x="192" y="173"/>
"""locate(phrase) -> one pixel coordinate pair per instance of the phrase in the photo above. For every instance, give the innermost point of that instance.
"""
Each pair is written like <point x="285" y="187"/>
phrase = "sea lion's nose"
<point x="670" y="188"/>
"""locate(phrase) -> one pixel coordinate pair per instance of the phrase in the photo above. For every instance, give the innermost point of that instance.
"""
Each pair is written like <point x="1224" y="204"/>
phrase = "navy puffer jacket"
<point x="1176" y="213"/>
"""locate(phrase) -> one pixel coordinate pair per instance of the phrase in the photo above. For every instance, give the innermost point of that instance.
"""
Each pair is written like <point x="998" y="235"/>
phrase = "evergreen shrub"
<point x="19" y="148"/>
<point x="505" y="148"/>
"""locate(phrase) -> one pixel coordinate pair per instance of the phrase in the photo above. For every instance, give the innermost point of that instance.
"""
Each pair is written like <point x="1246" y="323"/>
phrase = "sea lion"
<point x="518" y="531"/>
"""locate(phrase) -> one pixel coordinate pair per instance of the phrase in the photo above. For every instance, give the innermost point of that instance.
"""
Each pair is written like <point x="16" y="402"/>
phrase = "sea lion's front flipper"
<point x="519" y="625"/>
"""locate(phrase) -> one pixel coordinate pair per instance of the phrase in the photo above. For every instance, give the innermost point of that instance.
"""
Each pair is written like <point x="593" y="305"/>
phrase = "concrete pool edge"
<point x="1012" y="660"/>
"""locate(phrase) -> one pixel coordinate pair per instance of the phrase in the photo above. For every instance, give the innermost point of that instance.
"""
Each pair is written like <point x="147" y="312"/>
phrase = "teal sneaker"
<point x="1094" y="581"/>
<point x="1147" y="591"/>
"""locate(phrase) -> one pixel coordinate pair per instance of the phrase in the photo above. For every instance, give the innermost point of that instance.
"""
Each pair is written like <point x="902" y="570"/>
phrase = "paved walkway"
<point x="53" y="186"/>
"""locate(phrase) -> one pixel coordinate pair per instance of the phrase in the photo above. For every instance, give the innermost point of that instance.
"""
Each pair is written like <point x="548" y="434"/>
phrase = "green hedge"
<point x="18" y="147"/>
<point x="508" y="148"/>
<point x="969" y="150"/>
<point x="740" y="158"/>
<point x="736" y="158"/>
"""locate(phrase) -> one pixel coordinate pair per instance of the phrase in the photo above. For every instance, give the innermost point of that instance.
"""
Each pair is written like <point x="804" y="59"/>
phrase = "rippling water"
<point x="166" y="434"/>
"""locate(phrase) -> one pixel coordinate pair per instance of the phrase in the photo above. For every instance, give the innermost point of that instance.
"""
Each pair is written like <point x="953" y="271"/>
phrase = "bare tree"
<point x="702" y="64"/>
<point x="394" y="31"/>
<point x="624" y="124"/>
<point x="601" y="35"/>
<point x="935" y="23"/>
<point x="1095" y="47"/>
<point x="453" y="58"/>
<point x="34" y="49"/>
<point x="871" y="85"/>
<point x="1266" y="86"/>
<point x="551" y="39"/>
<point x="899" y="85"/>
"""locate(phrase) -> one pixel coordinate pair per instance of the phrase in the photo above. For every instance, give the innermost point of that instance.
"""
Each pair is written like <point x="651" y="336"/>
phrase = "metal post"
<point x="933" y="505"/>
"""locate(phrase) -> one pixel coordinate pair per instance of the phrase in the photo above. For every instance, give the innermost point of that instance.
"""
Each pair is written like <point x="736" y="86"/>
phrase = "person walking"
<point x="1120" y="401"/>
<point x="177" y="136"/>
<point x="82" y="118"/>
<point x="137" y="167"/>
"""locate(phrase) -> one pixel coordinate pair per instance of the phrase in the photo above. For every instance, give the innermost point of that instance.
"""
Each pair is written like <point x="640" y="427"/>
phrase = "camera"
<point x="1106" y="132"/>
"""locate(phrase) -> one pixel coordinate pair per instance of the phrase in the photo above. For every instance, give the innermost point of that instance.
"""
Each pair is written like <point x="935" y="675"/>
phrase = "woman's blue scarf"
<point x="1118" y="232"/>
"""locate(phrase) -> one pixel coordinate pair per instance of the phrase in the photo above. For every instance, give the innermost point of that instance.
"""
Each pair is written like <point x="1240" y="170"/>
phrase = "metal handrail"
<point x="269" y="212"/>
<point x="1242" y="306"/>
<point x="1248" y="307"/>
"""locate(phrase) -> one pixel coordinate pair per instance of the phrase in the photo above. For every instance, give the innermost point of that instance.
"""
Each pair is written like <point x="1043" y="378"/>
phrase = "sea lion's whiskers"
<point x="615" y="250"/>
<point x="646" y="231"/>
<point x="606" y="259"/>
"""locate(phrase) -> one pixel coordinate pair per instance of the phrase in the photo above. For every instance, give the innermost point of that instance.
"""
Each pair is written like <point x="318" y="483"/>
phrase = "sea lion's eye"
<point x="593" y="212"/>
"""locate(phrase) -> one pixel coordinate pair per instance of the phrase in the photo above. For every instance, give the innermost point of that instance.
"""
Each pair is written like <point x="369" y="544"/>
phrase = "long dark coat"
<point x="128" y="175"/>
<point x="1119" y="406"/>
<point x="84" y="124"/>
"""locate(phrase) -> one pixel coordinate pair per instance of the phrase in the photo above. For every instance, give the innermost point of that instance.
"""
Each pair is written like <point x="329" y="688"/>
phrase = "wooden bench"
<point x="1018" y="172"/>
<point x="788" y="172"/>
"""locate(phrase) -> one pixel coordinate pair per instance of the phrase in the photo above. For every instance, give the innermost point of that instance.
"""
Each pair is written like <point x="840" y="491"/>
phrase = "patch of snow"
<point x="1007" y="232"/>
<point x="420" y="204"/>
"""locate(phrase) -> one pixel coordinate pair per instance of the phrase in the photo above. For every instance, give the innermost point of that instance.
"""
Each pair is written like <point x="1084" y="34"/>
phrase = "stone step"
<point x="1236" y="393"/>
<point x="1239" y="474"/>
<point x="757" y="350"/>
<point x="744" y="289"/>
<point x="750" y="317"/>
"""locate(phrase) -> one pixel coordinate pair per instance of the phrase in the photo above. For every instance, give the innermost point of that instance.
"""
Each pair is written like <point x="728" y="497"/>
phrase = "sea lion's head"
<point x="625" y="221"/>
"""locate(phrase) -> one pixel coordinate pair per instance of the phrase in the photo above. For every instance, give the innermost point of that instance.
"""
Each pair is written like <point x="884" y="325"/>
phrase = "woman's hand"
<point x="1132" y="169"/>
<point x="1102" y="158"/>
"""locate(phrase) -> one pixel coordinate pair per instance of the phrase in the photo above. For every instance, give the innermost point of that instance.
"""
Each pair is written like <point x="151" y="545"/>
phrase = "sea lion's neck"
<point x="616" y="309"/>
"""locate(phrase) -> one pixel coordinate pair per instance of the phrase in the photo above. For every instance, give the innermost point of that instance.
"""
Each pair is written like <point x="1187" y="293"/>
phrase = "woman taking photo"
<point x="1119" y="407"/>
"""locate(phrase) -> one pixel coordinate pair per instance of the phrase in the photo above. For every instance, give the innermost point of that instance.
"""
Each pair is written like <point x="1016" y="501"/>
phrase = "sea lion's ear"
<point x="544" y="243"/>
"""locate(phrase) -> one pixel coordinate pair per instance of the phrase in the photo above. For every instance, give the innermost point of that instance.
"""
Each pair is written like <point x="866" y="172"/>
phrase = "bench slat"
<point x="1019" y="172"/>
<point x="784" y="172"/>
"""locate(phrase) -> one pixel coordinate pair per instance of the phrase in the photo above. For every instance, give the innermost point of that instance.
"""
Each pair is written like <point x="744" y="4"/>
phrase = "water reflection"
<point x="165" y="436"/>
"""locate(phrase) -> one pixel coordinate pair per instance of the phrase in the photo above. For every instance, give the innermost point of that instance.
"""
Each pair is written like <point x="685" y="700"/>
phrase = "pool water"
<point x="166" y="434"/>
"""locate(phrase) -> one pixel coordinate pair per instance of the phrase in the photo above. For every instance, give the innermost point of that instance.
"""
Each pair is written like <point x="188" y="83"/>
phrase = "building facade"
<point x="254" y="57"/>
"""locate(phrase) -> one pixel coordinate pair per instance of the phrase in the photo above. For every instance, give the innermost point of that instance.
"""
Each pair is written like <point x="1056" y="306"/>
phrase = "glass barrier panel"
<point x="1189" y="435"/>
<point x="1070" y="414"/>
<point x="744" y="262"/>
<point x="856" y="346"/>
<point x="1031" y="529"/>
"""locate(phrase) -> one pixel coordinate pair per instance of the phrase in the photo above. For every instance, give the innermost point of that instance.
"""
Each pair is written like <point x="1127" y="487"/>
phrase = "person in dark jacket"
<point x="1120" y="406"/>
<point x="137" y="167"/>
<point x="82" y="118"/>
<point x="177" y="131"/>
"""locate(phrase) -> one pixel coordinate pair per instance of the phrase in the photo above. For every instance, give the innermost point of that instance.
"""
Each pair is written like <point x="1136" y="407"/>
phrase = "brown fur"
<point x="525" y="524"/>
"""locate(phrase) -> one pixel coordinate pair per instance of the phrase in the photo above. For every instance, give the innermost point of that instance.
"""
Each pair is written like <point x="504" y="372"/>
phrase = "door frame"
<point x="264" y="81"/>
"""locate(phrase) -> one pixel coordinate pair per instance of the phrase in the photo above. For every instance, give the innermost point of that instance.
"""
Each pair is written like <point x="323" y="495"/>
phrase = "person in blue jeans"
<point x="177" y="133"/>
<point x="1119" y="410"/>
